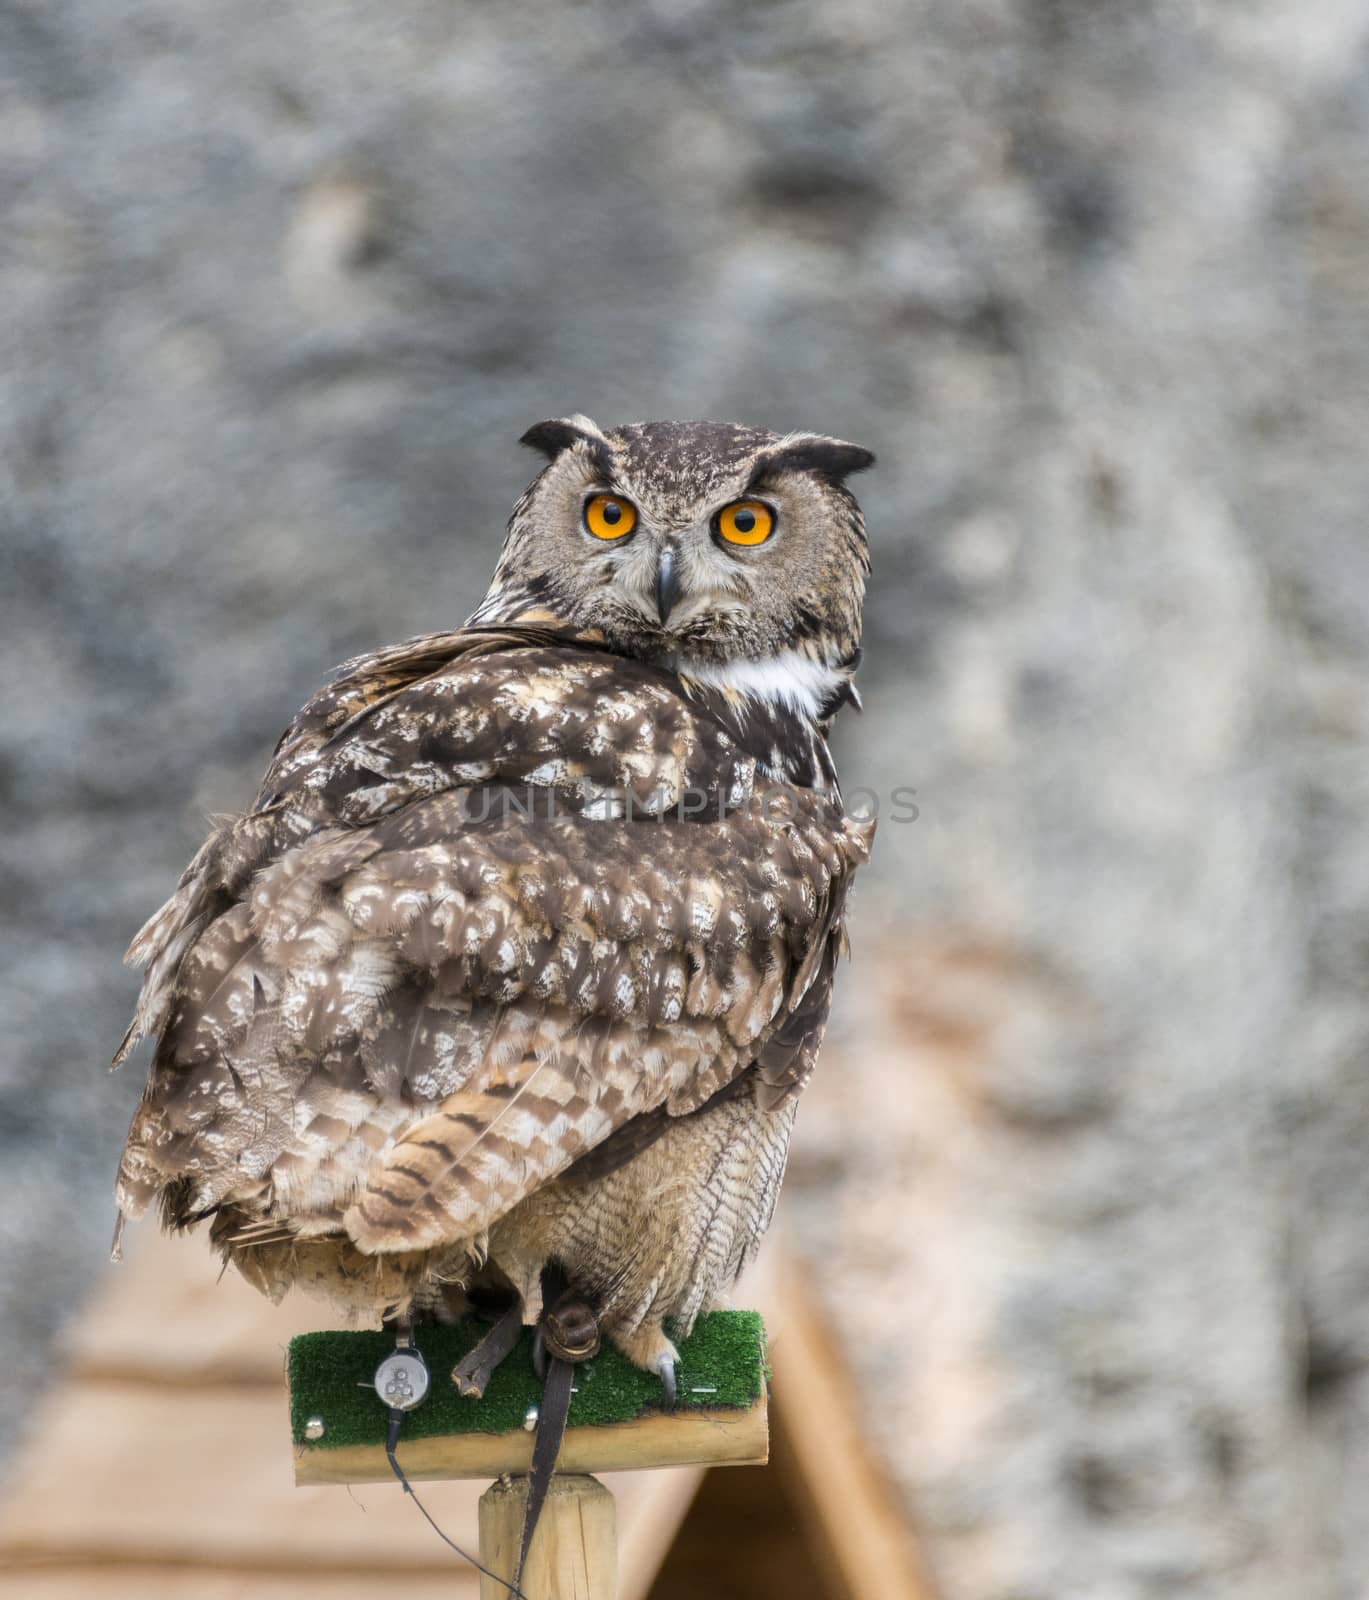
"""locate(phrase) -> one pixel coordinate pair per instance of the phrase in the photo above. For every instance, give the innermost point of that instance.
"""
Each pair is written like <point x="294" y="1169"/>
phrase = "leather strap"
<point x="551" y="1427"/>
<point x="570" y="1335"/>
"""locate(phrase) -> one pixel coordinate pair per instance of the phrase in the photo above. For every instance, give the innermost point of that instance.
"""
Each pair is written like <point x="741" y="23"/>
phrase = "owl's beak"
<point x="667" y="585"/>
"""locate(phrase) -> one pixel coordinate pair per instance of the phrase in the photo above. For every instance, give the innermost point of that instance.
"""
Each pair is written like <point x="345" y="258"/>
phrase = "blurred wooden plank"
<point x="768" y="1543"/>
<point x="136" y="1473"/>
<point x="856" y="1520"/>
<point x="210" y="1325"/>
<point x="645" y="1537"/>
<point x="184" y="1583"/>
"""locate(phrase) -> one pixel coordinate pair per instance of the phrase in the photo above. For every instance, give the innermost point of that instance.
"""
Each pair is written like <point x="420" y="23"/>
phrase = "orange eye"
<point x="745" y="522"/>
<point x="607" y="516"/>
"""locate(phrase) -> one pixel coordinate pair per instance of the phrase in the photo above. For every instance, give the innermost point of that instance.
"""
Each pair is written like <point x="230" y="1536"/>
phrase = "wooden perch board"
<point x="615" y="1417"/>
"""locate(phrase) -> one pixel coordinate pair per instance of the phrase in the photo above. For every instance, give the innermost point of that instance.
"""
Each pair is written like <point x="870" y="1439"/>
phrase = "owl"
<point x="523" y="953"/>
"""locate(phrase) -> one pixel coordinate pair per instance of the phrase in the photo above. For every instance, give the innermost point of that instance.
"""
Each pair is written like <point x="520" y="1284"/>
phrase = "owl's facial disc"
<point x="689" y="542"/>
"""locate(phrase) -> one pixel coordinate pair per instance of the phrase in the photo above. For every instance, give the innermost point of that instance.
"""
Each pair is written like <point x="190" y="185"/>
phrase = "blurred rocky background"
<point x="1083" y="1182"/>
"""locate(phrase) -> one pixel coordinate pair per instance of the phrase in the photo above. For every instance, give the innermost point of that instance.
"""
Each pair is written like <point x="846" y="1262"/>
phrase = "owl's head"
<point x="705" y="546"/>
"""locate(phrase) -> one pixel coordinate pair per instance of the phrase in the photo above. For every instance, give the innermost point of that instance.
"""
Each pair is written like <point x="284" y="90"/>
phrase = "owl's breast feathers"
<point x="503" y="898"/>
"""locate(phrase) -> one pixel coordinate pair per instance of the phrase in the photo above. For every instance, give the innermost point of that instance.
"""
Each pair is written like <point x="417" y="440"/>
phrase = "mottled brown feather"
<point x="467" y="935"/>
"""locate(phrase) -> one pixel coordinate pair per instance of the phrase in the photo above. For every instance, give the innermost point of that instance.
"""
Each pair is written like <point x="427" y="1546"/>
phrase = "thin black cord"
<point x="391" y="1440"/>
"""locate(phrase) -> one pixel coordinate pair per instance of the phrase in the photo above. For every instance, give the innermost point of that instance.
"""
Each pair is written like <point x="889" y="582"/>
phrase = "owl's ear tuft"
<point x="831" y="459"/>
<point x="560" y="433"/>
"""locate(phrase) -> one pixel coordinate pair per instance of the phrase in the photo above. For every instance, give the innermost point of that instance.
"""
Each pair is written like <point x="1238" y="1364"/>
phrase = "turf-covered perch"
<point x="719" y="1415"/>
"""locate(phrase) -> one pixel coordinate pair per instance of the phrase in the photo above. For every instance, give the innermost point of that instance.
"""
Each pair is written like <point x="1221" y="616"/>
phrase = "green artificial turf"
<point x="330" y="1377"/>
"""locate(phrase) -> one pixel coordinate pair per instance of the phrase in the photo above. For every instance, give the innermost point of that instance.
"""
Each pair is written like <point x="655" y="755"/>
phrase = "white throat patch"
<point x="790" y="679"/>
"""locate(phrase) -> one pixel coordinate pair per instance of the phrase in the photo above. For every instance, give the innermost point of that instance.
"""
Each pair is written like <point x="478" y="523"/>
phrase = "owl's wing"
<point x="471" y="706"/>
<point x="643" y="968"/>
<point x="446" y="978"/>
<point x="239" y="845"/>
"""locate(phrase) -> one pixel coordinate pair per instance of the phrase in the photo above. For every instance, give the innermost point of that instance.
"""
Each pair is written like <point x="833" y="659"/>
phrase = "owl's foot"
<point x="473" y="1372"/>
<point x="569" y="1330"/>
<point x="647" y="1347"/>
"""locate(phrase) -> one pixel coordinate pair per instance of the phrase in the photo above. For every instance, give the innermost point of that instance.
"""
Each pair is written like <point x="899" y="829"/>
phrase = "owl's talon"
<point x="665" y="1370"/>
<point x="539" y="1354"/>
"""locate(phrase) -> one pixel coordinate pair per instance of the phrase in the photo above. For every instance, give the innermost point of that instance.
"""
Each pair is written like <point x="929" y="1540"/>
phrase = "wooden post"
<point x="574" y="1554"/>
